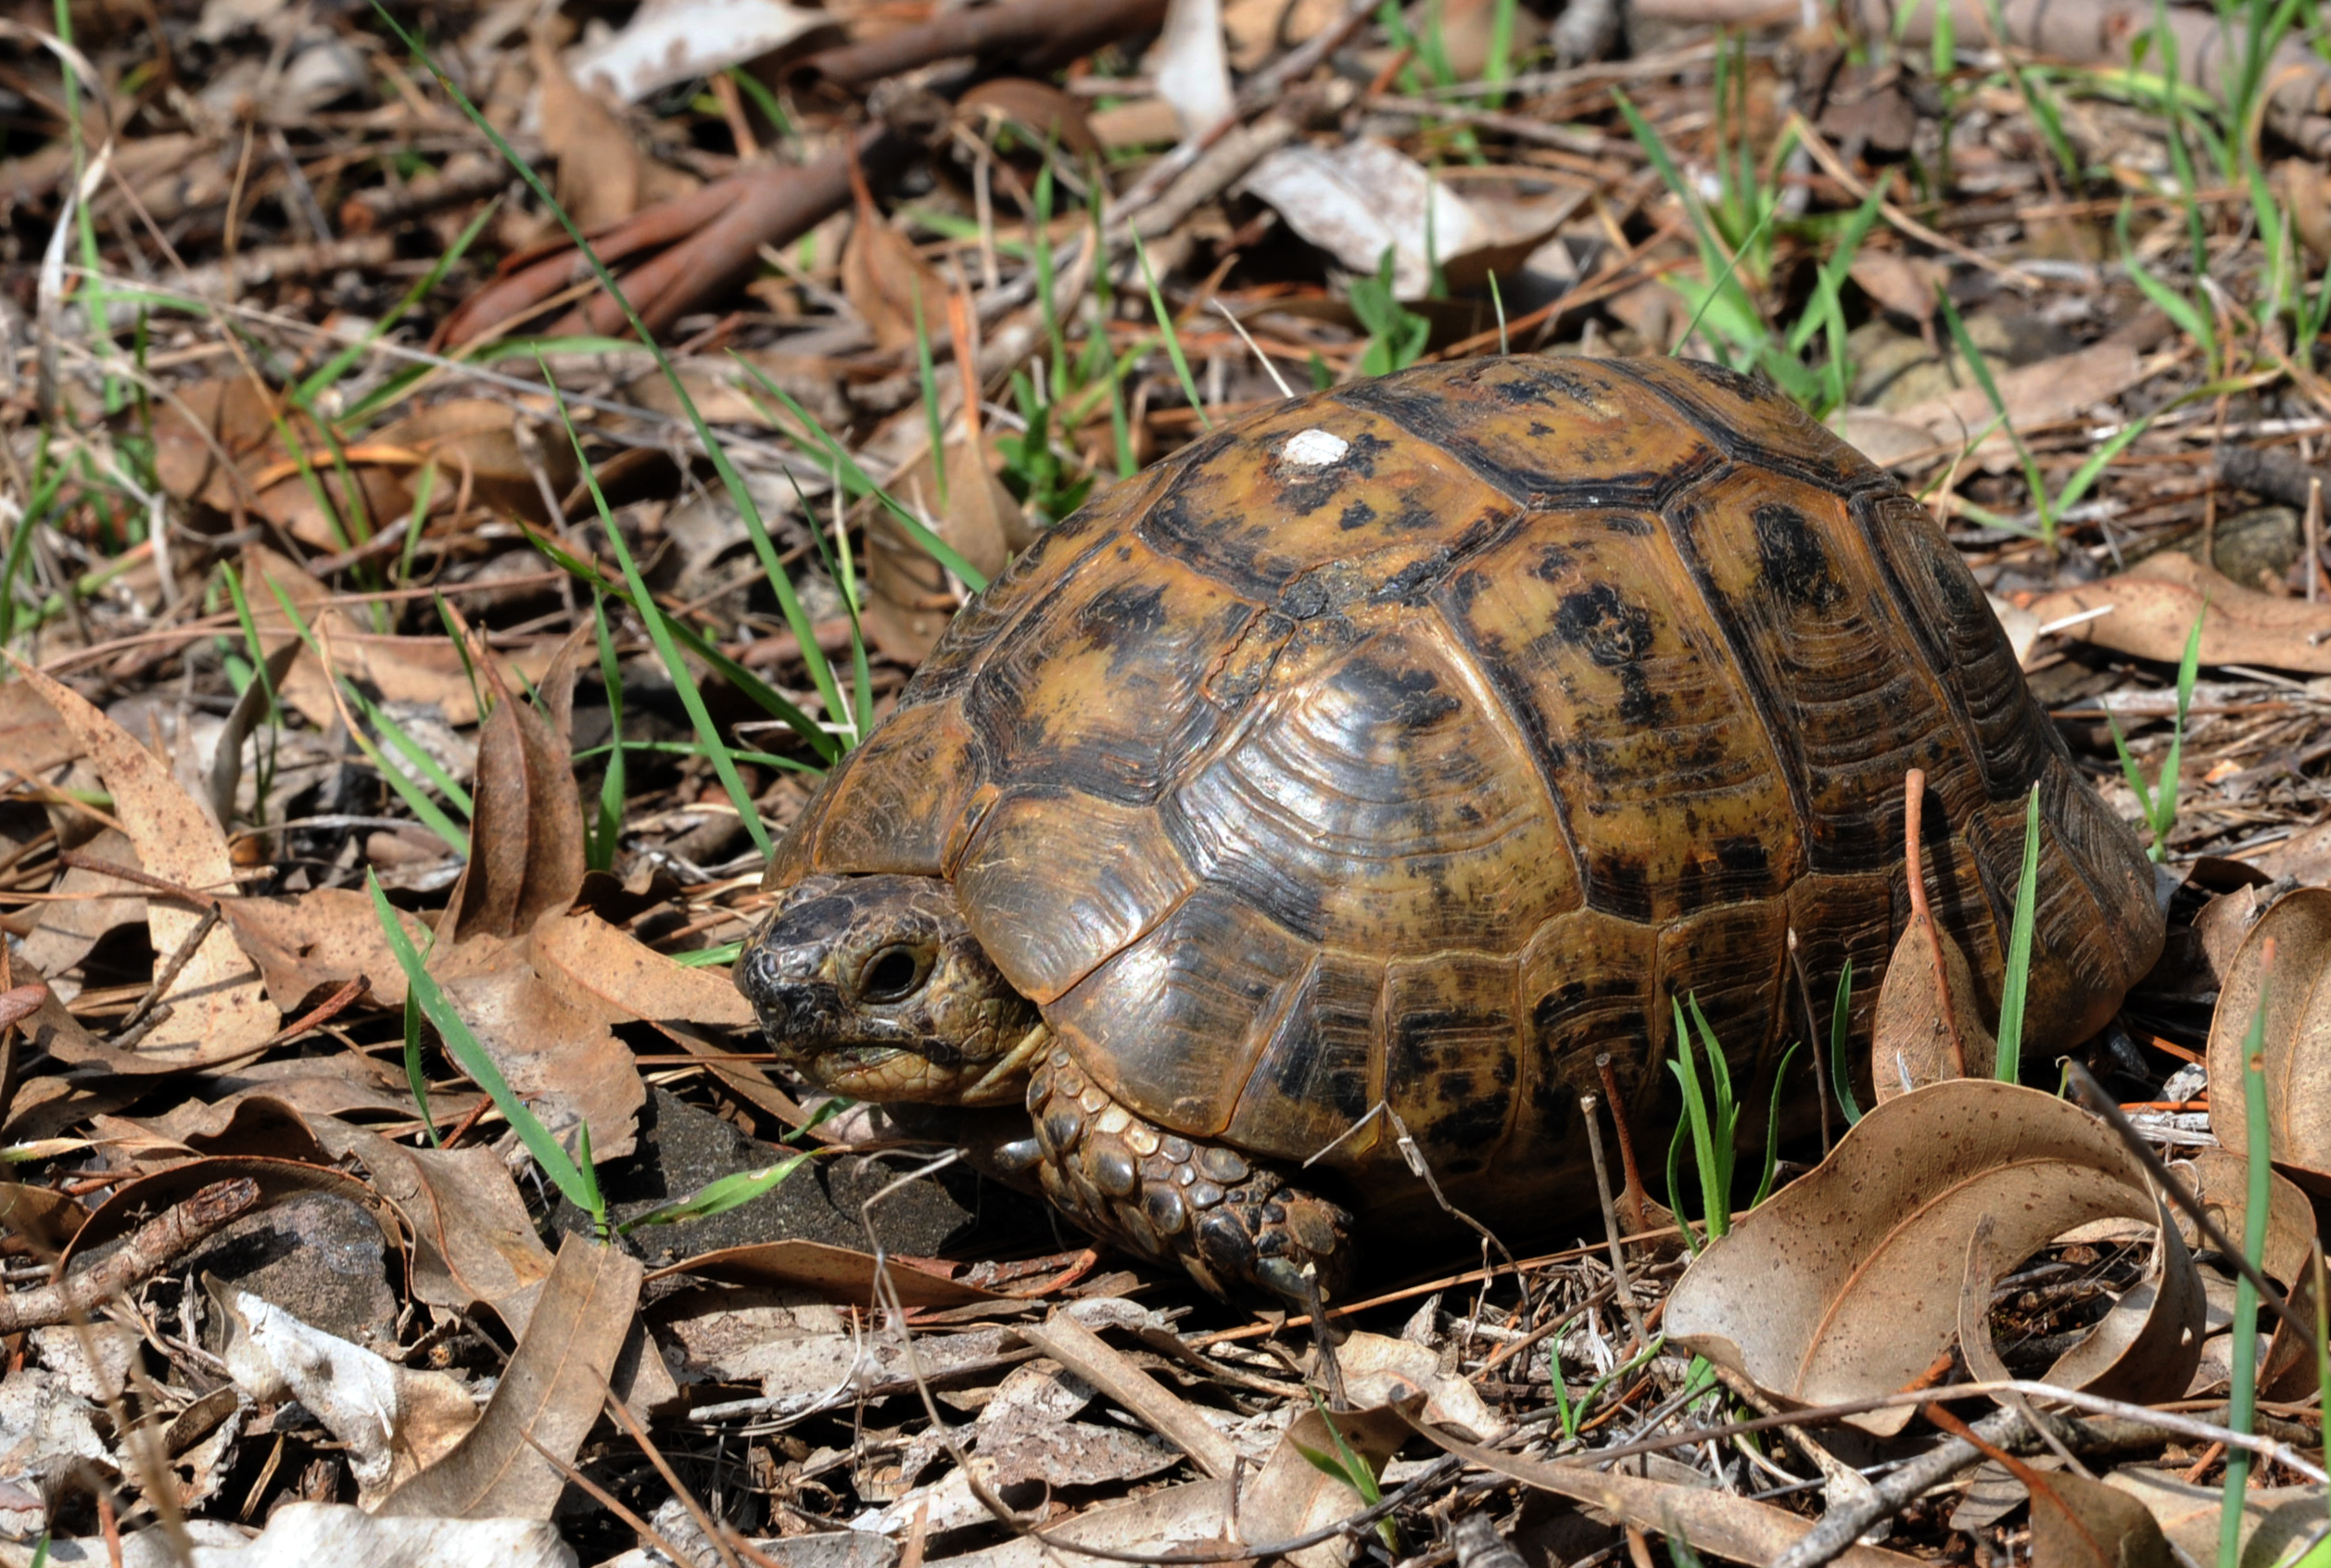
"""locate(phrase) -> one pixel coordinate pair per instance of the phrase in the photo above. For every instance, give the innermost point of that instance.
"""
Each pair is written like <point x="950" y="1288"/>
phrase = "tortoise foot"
<point x="1237" y="1227"/>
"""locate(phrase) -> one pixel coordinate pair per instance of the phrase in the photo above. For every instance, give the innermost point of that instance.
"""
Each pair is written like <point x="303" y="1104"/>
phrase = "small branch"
<point x="152" y="1248"/>
<point x="142" y="1017"/>
<point x="1590" y="1107"/>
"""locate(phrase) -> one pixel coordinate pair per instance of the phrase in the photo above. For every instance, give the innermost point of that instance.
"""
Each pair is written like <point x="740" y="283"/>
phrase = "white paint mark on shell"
<point x="1315" y="449"/>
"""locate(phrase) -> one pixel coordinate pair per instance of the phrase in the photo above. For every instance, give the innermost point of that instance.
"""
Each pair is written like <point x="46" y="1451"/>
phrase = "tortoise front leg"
<point x="1237" y="1227"/>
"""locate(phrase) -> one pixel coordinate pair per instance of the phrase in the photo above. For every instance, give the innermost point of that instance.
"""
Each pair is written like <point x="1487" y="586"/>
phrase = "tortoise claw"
<point x="1019" y="1157"/>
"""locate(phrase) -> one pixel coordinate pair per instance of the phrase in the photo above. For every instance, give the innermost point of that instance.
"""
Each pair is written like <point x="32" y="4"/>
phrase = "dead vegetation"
<point x="412" y="669"/>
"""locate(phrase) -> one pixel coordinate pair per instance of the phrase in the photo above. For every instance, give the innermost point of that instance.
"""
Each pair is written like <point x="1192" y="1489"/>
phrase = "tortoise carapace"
<point x="1405" y="747"/>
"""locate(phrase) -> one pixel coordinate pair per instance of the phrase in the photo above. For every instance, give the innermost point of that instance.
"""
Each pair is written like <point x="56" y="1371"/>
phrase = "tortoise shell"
<point x="1418" y="741"/>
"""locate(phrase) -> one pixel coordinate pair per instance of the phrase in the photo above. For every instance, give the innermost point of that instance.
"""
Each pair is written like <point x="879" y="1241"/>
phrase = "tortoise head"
<point x="873" y="986"/>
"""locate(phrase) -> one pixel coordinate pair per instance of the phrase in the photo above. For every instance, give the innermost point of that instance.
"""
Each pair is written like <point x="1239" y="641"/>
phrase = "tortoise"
<point x="1376" y="763"/>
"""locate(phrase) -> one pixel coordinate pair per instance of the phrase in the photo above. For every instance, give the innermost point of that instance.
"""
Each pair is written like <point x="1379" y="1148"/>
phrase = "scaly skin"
<point x="1232" y="1224"/>
<point x="875" y="987"/>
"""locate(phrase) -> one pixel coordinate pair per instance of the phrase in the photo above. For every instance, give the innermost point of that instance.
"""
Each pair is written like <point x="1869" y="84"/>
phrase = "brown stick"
<point x="151" y="1247"/>
<point x="1040" y="34"/>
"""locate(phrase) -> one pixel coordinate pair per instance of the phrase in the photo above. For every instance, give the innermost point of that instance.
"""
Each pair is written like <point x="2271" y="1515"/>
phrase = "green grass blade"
<point x="1841" y="1070"/>
<point x="1772" y="1129"/>
<point x="462" y="1046"/>
<point x="2242" y="1384"/>
<point x="659" y="629"/>
<point x="1172" y="338"/>
<point x="2009" y="1065"/>
<point x="733" y="1191"/>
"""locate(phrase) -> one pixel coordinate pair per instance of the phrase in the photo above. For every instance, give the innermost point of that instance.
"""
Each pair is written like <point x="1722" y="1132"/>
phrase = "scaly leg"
<point x="1236" y="1226"/>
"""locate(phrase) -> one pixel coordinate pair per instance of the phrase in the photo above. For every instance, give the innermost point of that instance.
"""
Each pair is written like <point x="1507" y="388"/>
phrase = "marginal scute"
<point x="888" y="806"/>
<point x="1166" y="1024"/>
<point x="1056" y="882"/>
<point x="1452" y="1049"/>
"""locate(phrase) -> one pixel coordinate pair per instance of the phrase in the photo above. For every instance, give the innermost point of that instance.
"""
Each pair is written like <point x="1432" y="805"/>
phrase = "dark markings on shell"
<point x="1796" y="566"/>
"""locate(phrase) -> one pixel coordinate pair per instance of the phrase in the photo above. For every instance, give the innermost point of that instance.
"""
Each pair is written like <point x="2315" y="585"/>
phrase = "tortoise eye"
<point x="893" y="974"/>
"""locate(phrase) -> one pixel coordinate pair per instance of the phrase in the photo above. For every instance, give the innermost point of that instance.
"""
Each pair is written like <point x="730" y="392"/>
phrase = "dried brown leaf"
<point x="552" y="1046"/>
<point x="1903" y="284"/>
<point x="473" y="1242"/>
<point x="1846" y="1284"/>
<point x="395" y="669"/>
<point x="884" y="279"/>
<point x="1044" y="113"/>
<point x="2298" y="1038"/>
<point x="2077" y="1522"/>
<point x="1293" y="1496"/>
<point x="1194" y="1513"/>
<point x="310" y="944"/>
<point x="2220" y="1179"/>
<point x="2143" y="1348"/>
<point x="475" y="442"/>
<point x="601" y="173"/>
<point x="550" y="1394"/>
<point x="2063" y="387"/>
<point x="1260" y="28"/>
<point x="1928" y="1025"/>
<point x="911" y="598"/>
<point x="90" y="904"/>
<point x="32" y="738"/>
<point x="218" y="1007"/>
<point x="209" y="436"/>
<point x="2274" y="1519"/>
<point x="628" y="980"/>
<point x="2154" y="603"/>
<point x="839" y="1274"/>
<point x="526" y="833"/>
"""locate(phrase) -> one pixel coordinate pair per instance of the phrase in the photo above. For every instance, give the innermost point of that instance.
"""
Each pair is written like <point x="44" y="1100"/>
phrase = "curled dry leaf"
<point x="2298" y="1038"/>
<point x="2154" y="603"/>
<point x="527" y="836"/>
<point x="507" y="1467"/>
<point x="1928" y="1023"/>
<point x="1848" y="1284"/>
<point x="2220" y="1179"/>
<point x="218" y="1007"/>
<point x="2146" y="1347"/>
